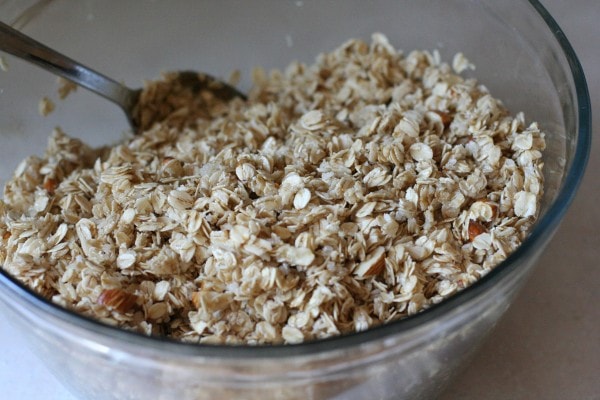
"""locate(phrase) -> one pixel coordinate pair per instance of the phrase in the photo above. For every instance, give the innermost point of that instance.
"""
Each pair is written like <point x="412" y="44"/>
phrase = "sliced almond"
<point x="118" y="299"/>
<point x="373" y="265"/>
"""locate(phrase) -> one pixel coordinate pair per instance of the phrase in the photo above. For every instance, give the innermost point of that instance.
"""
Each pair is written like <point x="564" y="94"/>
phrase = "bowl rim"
<point x="550" y="219"/>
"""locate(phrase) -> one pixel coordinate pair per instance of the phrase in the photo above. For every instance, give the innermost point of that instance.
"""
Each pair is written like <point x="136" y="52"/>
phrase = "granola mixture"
<point x="340" y="195"/>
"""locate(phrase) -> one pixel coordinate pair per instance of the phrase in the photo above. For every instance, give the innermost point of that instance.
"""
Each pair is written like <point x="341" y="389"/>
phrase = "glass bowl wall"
<point x="521" y="56"/>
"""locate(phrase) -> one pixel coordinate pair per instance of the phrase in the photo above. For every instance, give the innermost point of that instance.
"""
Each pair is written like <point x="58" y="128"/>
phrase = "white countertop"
<point x="546" y="347"/>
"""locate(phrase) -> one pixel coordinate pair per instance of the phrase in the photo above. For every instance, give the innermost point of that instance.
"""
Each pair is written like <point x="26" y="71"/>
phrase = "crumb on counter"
<point x="45" y="106"/>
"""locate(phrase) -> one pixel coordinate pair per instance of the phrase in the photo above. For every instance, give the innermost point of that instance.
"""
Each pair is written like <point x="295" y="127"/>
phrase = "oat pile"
<point x="340" y="195"/>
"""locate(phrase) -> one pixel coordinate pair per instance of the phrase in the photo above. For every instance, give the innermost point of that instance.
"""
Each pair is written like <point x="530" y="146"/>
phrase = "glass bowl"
<point x="521" y="55"/>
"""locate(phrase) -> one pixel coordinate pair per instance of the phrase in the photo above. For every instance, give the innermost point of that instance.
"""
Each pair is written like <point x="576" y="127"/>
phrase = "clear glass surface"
<point x="521" y="56"/>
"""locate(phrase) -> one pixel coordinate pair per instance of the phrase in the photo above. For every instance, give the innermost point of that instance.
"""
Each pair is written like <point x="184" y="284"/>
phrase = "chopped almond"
<point x="50" y="185"/>
<point x="373" y="265"/>
<point x="118" y="300"/>
<point x="446" y="118"/>
<point x="475" y="229"/>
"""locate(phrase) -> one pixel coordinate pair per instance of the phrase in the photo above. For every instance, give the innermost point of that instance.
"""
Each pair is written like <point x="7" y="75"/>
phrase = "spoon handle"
<point x="22" y="46"/>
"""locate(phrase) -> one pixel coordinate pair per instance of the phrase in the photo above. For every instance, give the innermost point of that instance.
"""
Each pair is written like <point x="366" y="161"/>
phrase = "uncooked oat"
<point x="46" y="106"/>
<point x="341" y="195"/>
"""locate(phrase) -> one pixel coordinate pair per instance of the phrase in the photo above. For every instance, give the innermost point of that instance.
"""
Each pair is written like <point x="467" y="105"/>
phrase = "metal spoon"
<point x="20" y="45"/>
